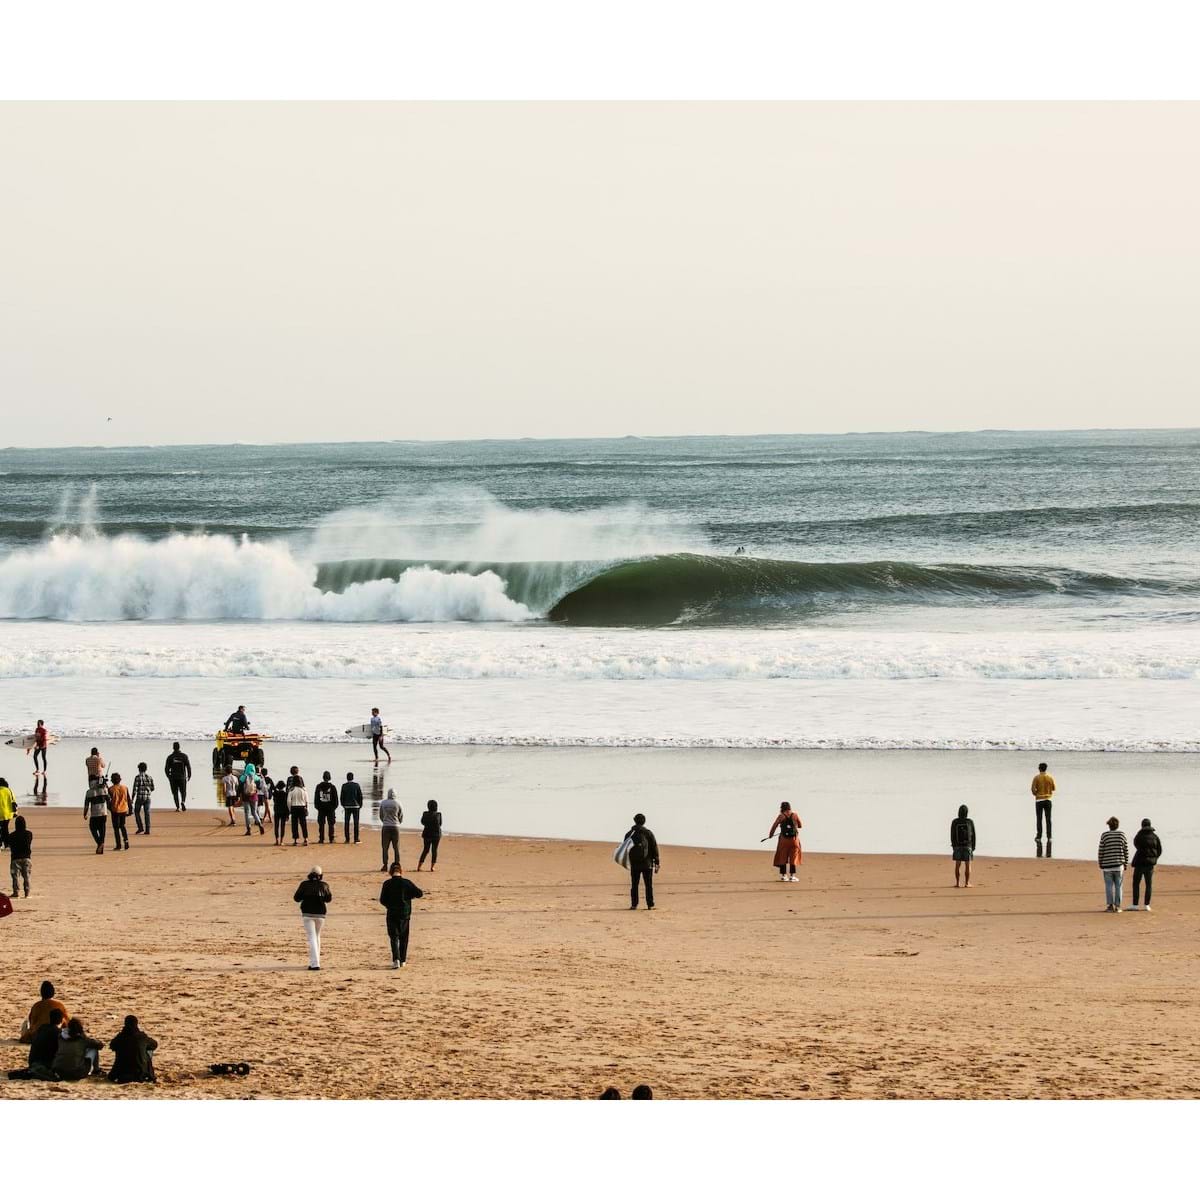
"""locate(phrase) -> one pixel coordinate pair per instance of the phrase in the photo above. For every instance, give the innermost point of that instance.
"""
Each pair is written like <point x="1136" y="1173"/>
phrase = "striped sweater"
<point x="1114" y="850"/>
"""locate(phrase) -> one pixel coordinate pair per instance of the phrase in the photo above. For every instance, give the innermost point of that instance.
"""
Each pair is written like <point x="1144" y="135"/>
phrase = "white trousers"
<point x="312" y="931"/>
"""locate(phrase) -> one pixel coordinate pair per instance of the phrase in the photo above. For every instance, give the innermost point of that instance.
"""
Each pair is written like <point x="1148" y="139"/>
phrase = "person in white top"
<point x="377" y="735"/>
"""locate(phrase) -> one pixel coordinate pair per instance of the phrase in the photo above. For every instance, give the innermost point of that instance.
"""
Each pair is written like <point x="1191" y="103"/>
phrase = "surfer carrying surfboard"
<point x="41" y="739"/>
<point x="377" y="735"/>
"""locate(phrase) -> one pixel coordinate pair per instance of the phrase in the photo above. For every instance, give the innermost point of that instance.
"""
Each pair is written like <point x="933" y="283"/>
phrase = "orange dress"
<point x="787" y="849"/>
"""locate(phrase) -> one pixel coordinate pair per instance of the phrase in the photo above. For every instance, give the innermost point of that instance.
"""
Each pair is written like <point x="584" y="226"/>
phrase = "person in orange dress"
<point x="787" y="849"/>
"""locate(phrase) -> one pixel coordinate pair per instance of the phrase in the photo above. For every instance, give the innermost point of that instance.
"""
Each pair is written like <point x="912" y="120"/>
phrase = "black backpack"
<point x="639" y="843"/>
<point x="787" y="827"/>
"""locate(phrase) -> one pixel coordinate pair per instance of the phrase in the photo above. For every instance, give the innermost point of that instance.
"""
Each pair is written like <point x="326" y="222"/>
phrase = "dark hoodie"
<point x="1147" y="849"/>
<point x="313" y="895"/>
<point x="20" y="841"/>
<point x="962" y="831"/>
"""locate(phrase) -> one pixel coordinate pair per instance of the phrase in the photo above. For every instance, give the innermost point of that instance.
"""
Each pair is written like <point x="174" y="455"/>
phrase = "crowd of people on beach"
<point x="61" y="1051"/>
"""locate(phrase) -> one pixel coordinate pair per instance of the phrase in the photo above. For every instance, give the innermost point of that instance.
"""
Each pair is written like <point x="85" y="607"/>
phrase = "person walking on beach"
<point x="118" y="805"/>
<point x="297" y="797"/>
<point x="249" y="789"/>
<point x="280" y="810"/>
<point x="8" y="810"/>
<point x="41" y="742"/>
<point x="325" y="798"/>
<point x="133" y="1051"/>
<point x="352" y="802"/>
<point x="143" y="787"/>
<point x="396" y="896"/>
<point x="1113" y="856"/>
<point x="95" y="811"/>
<point x="390" y="816"/>
<point x="78" y="1055"/>
<point x="1147" y="850"/>
<point x="237" y="722"/>
<point x="787" y="848"/>
<point x="377" y="735"/>
<point x="178" y="770"/>
<point x="229" y="785"/>
<point x="95" y="764"/>
<point x="431" y="835"/>
<point x="643" y="860"/>
<point x="962" y="843"/>
<point x="20" y="849"/>
<point x="313" y="896"/>
<point x="1042" y="789"/>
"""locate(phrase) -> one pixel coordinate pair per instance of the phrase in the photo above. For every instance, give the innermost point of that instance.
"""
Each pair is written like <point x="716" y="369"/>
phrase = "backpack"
<point x="960" y="837"/>
<point x="639" y="843"/>
<point x="787" y="827"/>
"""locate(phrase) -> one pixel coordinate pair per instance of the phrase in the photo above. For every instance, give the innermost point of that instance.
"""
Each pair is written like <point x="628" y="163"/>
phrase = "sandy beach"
<point x="530" y="978"/>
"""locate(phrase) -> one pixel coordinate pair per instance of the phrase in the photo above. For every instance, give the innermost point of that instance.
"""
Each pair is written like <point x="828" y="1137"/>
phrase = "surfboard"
<point x="29" y="741"/>
<point x="364" y="731"/>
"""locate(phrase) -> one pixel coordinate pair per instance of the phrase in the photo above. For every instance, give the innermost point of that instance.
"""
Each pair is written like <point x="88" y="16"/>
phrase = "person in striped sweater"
<point x="1113" y="856"/>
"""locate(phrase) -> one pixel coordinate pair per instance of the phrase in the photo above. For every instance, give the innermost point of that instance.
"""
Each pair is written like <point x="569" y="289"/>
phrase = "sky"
<point x="348" y="271"/>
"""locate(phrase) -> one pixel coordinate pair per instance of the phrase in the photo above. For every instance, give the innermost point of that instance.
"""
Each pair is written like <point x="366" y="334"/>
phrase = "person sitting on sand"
<point x="962" y="844"/>
<point x="643" y="860"/>
<point x="787" y="849"/>
<point x="1147" y="850"/>
<point x="78" y="1055"/>
<point x="313" y="895"/>
<point x="41" y="1010"/>
<point x="297" y="795"/>
<point x="118" y="805"/>
<point x="42" y="1049"/>
<point x="134" y="1054"/>
<point x="1113" y="856"/>
<point x="431" y="834"/>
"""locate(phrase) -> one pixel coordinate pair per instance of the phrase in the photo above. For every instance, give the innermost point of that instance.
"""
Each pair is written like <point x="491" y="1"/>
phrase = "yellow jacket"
<point x="1043" y="785"/>
<point x="8" y="804"/>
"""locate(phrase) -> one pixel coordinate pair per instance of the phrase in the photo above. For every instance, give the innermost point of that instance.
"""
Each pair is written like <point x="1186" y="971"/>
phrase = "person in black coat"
<point x="643" y="860"/>
<point x="1147" y="850"/>
<point x="133" y="1049"/>
<point x="178" y="770"/>
<point x="397" y="895"/>
<point x="431" y="834"/>
<point x="325" y="800"/>
<point x="352" y="801"/>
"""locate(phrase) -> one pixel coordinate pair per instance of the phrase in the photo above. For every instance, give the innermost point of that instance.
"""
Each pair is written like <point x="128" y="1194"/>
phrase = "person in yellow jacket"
<point x="118" y="805"/>
<point x="1042" y="789"/>
<point x="8" y="810"/>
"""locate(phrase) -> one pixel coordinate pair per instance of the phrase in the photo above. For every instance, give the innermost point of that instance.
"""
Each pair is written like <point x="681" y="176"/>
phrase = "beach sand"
<point x="530" y="978"/>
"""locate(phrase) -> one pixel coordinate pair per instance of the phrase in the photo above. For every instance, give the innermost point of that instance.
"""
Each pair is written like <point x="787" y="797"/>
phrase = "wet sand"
<point x="529" y="976"/>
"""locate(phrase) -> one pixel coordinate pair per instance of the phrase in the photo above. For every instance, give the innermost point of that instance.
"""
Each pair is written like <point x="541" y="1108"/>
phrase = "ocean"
<point x="1035" y="591"/>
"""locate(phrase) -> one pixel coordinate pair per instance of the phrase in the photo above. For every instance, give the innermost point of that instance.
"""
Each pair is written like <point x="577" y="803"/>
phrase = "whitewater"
<point x="907" y="591"/>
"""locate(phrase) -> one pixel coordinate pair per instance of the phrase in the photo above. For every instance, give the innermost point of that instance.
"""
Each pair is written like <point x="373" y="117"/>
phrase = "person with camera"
<point x="787" y="848"/>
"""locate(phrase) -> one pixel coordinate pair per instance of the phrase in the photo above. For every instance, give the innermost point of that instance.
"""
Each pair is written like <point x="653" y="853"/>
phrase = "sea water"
<point x="1037" y="591"/>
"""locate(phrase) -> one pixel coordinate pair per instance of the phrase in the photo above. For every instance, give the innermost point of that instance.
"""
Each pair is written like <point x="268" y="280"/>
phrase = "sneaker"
<point x="396" y="964"/>
<point x="247" y="833"/>
<point x="14" y="895"/>
<point x="384" y="867"/>
<point x="1146" y="909"/>
<point x="1132" y="908"/>
<point x="1116" y="908"/>
<point x="314" y="968"/>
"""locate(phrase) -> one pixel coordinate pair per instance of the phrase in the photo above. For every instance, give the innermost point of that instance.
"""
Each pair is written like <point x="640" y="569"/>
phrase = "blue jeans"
<point x="1112" y="886"/>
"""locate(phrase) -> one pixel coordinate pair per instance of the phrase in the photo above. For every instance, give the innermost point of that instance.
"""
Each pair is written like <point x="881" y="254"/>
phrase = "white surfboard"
<point x="29" y="741"/>
<point x="364" y="731"/>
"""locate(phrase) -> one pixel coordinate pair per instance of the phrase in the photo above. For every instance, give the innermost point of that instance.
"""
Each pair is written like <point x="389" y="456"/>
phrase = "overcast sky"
<point x="302" y="272"/>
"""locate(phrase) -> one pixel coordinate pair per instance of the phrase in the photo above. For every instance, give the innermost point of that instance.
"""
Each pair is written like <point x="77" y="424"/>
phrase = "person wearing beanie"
<point x="313" y="896"/>
<point x="1147" y="850"/>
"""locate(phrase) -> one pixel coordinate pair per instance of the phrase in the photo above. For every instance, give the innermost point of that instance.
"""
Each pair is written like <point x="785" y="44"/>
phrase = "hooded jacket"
<point x="1147" y="849"/>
